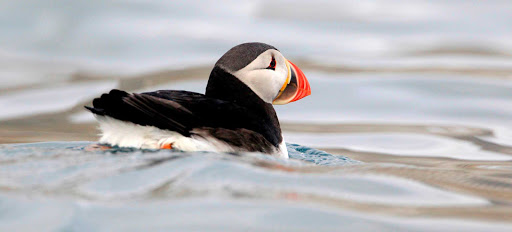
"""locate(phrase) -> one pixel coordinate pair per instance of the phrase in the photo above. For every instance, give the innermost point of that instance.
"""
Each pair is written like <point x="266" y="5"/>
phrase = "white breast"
<point x="126" y="134"/>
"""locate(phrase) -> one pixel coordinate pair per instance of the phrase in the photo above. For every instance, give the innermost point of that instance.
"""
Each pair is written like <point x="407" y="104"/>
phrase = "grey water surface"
<point x="62" y="186"/>
<point x="408" y="128"/>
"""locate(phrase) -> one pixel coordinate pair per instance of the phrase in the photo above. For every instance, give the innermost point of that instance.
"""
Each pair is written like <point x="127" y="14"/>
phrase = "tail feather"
<point x="108" y="104"/>
<point x="143" y="110"/>
<point x="96" y="110"/>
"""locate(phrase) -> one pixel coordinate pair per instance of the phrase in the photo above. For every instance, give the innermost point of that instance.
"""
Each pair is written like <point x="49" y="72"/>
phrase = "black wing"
<point x="179" y="111"/>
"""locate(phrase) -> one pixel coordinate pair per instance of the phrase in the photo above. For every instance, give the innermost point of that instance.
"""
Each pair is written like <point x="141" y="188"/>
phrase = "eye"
<point x="272" y="64"/>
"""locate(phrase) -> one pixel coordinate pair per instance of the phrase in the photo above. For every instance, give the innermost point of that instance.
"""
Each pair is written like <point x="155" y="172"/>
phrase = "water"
<point x="62" y="186"/>
<point x="408" y="128"/>
<point x="57" y="38"/>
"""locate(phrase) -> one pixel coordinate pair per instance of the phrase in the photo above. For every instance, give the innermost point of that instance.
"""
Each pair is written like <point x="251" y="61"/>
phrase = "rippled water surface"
<point x="63" y="186"/>
<point x="408" y="128"/>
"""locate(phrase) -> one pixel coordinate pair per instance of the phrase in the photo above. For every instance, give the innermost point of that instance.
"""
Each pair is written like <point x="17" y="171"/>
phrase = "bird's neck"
<point x="224" y="86"/>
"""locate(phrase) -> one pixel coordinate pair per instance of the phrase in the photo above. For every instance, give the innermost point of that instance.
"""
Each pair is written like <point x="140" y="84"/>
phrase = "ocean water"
<point x="408" y="128"/>
<point x="43" y="41"/>
<point x="62" y="186"/>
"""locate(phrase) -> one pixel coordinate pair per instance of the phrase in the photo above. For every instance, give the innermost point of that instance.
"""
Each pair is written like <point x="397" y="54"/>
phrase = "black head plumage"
<point x="241" y="55"/>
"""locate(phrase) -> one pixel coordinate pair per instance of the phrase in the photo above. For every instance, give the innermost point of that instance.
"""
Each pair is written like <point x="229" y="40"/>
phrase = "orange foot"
<point x="97" y="147"/>
<point x="166" y="146"/>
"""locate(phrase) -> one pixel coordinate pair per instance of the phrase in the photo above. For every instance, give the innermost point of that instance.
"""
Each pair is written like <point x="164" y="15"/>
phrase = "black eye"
<point x="272" y="64"/>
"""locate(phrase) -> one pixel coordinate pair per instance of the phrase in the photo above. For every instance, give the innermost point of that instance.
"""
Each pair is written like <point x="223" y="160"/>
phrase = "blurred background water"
<point x="412" y="104"/>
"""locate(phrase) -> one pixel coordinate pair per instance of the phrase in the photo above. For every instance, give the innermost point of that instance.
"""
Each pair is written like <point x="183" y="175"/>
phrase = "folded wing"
<point x="179" y="111"/>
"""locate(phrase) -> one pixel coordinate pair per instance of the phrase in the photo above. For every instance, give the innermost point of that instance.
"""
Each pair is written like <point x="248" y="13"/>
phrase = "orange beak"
<point x="295" y="87"/>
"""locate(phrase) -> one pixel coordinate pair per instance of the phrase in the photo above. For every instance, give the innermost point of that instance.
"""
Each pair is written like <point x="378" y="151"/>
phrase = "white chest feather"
<point x="127" y="134"/>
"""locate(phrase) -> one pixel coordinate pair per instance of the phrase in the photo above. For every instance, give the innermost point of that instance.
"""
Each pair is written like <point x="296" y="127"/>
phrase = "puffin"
<point x="235" y="114"/>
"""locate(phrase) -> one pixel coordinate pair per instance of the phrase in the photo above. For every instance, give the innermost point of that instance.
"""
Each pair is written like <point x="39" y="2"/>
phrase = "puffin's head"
<point x="266" y="72"/>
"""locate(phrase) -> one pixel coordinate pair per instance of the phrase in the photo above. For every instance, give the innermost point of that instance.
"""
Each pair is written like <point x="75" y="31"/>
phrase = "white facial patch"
<point x="266" y="83"/>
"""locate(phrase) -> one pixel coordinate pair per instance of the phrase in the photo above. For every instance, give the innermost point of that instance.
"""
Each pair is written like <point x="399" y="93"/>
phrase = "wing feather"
<point x="179" y="111"/>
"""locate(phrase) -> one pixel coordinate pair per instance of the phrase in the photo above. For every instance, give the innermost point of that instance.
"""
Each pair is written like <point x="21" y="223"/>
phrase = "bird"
<point x="235" y="114"/>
